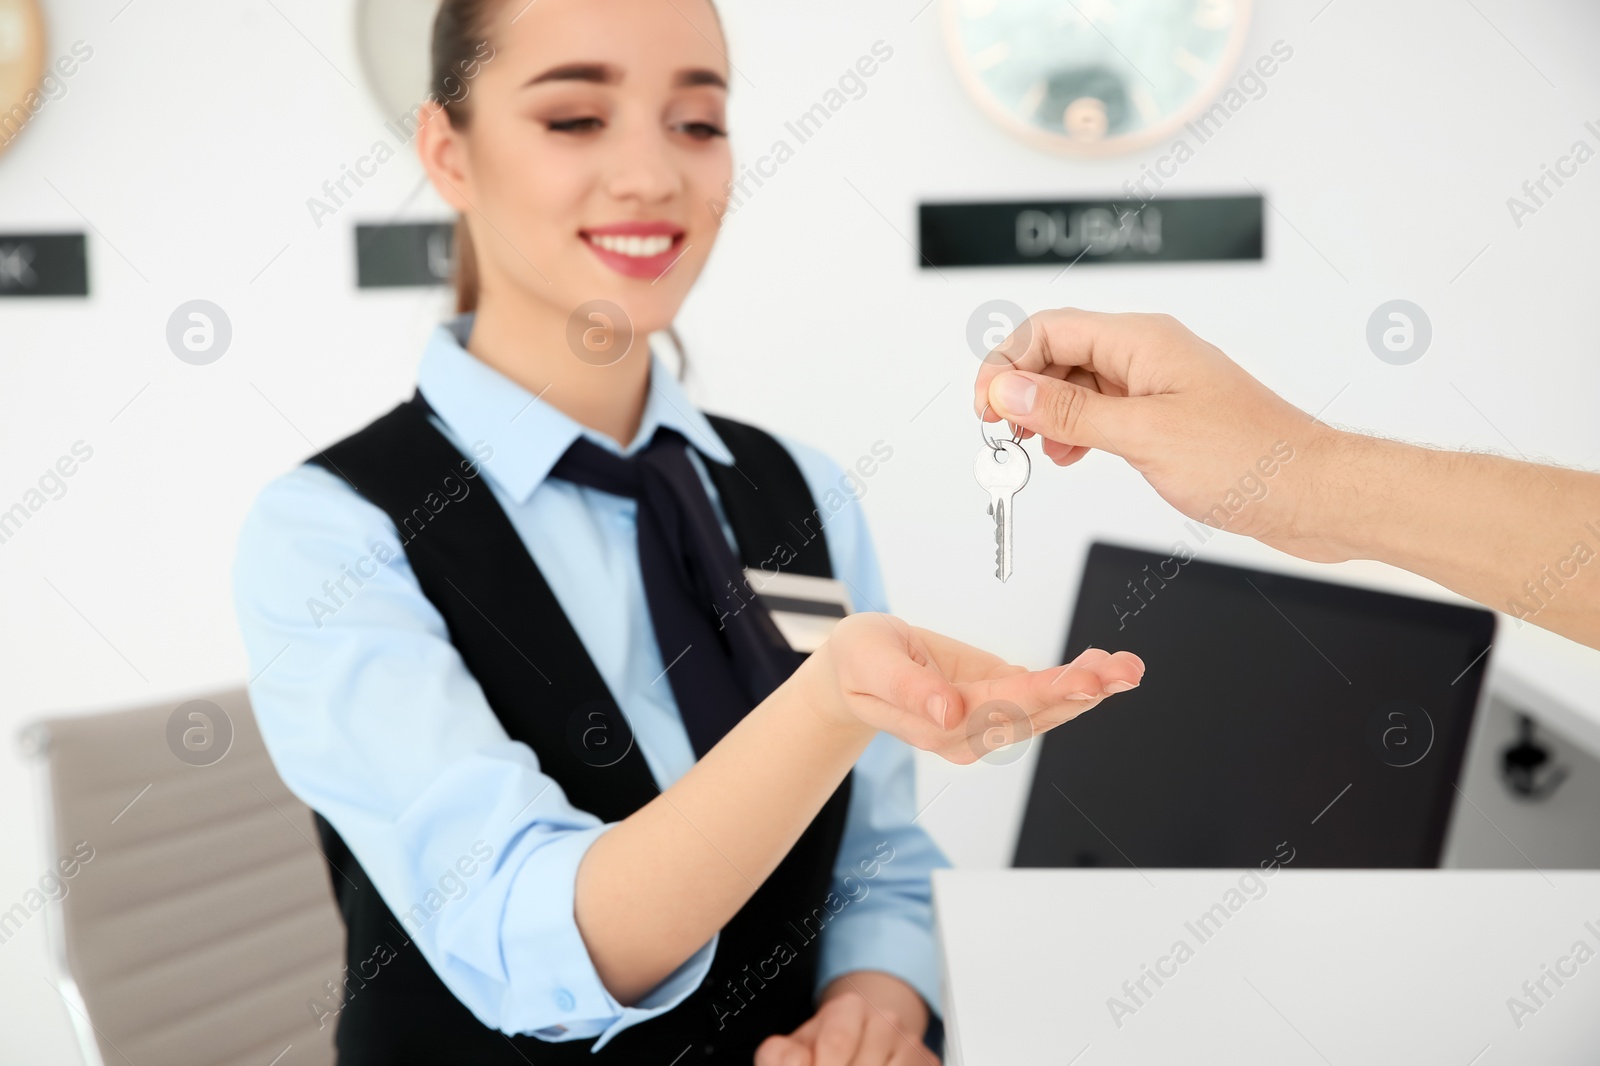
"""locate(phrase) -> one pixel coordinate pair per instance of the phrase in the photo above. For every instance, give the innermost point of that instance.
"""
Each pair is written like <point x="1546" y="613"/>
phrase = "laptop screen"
<point x="1279" y="717"/>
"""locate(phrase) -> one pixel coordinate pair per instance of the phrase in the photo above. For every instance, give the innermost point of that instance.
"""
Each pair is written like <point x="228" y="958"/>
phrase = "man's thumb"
<point x="1052" y="408"/>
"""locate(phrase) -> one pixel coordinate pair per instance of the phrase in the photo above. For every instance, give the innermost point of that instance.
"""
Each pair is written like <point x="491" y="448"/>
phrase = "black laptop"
<point x="1279" y="716"/>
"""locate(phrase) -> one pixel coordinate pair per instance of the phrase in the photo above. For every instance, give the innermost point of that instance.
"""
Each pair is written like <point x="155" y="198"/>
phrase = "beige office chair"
<point x="201" y="928"/>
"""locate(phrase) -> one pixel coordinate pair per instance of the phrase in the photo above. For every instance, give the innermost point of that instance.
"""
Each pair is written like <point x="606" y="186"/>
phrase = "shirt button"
<point x="564" y="1000"/>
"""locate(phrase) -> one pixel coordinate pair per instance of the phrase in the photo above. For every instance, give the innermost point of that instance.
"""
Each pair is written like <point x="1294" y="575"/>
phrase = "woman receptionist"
<point x="581" y="797"/>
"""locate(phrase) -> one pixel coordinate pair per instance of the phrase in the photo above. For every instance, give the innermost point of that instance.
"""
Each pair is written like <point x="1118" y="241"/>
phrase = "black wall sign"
<point x="43" y="264"/>
<point x="394" y="255"/>
<point x="1091" y="231"/>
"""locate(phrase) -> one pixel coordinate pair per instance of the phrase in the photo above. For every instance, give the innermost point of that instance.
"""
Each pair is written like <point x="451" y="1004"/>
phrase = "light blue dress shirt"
<point x="373" y="720"/>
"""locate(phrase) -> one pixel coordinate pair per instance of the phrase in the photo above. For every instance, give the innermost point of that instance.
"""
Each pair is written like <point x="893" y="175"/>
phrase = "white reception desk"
<point x="1094" y="967"/>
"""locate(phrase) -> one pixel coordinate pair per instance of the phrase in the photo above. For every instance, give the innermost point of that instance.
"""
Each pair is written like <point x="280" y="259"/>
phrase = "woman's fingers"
<point x="941" y="695"/>
<point x="913" y="1056"/>
<point x="842" y="1024"/>
<point x="1117" y="663"/>
<point x="1006" y="710"/>
<point x="1092" y="675"/>
<point x="879" y="1039"/>
<point x="958" y="660"/>
<point x="1090" y="655"/>
<point x="1115" y="671"/>
<point x="888" y="661"/>
<point x="782" y="1051"/>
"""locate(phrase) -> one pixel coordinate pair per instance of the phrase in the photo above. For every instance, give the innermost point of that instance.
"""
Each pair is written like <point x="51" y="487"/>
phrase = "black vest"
<point x="547" y="693"/>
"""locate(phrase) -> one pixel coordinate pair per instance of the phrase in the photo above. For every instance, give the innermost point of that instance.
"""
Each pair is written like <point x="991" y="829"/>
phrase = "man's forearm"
<point x="1519" y="537"/>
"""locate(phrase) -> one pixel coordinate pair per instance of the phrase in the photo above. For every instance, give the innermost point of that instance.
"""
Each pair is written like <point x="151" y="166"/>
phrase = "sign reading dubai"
<point x="1012" y="233"/>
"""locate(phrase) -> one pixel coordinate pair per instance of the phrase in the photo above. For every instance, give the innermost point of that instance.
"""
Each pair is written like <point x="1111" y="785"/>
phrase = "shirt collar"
<point x="528" y="436"/>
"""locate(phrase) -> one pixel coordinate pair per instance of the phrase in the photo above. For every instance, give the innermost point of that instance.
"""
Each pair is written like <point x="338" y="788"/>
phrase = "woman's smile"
<point x="636" y="249"/>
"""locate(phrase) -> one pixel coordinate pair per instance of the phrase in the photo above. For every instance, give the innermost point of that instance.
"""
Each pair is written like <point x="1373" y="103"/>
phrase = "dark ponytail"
<point x="460" y="32"/>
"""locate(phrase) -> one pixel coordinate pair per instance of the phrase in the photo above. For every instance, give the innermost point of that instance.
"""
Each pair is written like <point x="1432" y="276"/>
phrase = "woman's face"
<point x="595" y="163"/>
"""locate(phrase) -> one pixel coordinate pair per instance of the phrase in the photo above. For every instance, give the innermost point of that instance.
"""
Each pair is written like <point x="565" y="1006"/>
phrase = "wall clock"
<point x="21" y="64"/>
<point x="1094" y="77"/>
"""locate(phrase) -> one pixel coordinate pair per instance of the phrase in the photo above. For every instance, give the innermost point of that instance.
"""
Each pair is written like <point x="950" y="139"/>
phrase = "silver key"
<point x="1002" y="470"/>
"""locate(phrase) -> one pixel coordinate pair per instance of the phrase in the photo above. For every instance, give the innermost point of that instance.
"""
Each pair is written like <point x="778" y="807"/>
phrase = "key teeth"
<point x="999" y="548"/>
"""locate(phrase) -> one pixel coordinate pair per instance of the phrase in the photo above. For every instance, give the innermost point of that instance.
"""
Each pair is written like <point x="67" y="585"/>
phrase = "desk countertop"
<point x="1326" y="968"/>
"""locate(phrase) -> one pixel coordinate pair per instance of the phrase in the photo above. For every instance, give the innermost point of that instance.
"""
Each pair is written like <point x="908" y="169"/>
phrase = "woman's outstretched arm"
<point x="373" y="721"/>
<point x="711" y="839"/>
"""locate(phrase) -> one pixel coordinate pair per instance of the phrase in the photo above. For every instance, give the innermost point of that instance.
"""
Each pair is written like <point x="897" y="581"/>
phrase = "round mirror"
<point x="395" y="38"/>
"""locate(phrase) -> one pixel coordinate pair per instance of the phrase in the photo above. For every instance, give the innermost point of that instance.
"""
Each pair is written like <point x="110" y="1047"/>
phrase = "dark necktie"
<point x="722" y="652"/>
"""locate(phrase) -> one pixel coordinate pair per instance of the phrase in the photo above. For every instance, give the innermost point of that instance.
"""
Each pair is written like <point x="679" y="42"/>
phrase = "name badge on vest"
<point x="804" y="608"/>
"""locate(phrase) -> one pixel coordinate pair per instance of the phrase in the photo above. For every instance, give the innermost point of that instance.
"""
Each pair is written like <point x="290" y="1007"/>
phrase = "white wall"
<point x="190" y="141"/>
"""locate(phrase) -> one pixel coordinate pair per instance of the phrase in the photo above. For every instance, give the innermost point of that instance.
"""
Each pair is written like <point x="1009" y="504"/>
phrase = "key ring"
<point x="1016" y="438"/>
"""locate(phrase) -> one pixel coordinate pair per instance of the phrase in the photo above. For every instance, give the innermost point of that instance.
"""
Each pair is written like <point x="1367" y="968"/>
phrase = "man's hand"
<point x="866" y="1019"/>
<point x="1215" y="443"/>
<point x="1224" y="449"/>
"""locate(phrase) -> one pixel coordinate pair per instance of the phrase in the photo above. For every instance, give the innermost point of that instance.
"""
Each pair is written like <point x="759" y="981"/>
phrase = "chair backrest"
<point x="195" y="922"/>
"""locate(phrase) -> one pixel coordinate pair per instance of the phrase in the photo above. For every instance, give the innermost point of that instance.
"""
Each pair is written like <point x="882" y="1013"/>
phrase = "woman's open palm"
<point x="942" y="695"/>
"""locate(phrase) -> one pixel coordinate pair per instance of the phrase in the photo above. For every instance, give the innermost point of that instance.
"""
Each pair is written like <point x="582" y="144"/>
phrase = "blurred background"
<point x="188" y="138"/>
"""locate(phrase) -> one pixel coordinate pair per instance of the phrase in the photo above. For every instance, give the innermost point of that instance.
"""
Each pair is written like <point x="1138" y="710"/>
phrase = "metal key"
<point x="1002" y="471"/>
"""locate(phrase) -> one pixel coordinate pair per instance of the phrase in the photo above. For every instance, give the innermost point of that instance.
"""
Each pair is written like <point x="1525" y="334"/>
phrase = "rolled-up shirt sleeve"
<point x="373" y="720"/>
<point x="881" y="904"/>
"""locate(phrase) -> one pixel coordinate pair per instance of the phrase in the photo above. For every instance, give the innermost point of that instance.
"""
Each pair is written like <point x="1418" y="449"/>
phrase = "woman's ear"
<point x="441" y="150"/>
